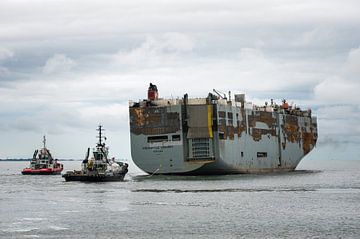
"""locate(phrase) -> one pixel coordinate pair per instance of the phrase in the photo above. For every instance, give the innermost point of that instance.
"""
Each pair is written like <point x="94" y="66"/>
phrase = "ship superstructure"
<point x="217" y="135"/>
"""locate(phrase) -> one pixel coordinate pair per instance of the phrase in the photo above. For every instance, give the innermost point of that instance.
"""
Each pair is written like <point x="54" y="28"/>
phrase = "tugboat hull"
<point x="43" y="171"/>
<point x="93" y="178"/>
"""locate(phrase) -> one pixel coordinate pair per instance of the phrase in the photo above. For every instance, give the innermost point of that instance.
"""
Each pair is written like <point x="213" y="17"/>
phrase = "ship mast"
<point x="101" y="149"/>
<point x="44" y="141"/>
<point x="100" y="129"/>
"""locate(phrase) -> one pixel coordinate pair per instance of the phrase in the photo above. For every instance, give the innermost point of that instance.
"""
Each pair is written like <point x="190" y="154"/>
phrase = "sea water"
<point x="321" y="199"/>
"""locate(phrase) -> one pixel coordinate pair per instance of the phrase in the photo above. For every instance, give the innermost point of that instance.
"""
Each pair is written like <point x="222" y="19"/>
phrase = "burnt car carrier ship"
<point x="218" y="135"/>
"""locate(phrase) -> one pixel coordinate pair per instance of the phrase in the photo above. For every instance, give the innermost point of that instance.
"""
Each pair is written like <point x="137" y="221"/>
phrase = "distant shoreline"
<point x="16" y="160"/>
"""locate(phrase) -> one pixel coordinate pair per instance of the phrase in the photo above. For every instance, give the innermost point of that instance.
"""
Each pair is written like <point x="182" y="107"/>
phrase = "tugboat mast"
<point x="44" y="141"/>
<point x="100" y="129"/>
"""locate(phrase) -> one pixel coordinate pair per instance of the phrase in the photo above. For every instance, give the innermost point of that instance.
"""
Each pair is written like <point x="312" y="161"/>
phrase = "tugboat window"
<point x="155" y="139"/>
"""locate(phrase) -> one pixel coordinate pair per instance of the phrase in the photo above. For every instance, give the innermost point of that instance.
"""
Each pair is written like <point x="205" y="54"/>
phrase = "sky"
<point x="68" y="65"/>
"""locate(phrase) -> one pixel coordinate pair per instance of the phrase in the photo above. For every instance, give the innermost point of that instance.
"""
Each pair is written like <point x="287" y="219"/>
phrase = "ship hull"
<point x="216" y="168"/>
<point x="202" y="137"/>
<point x="221" y="171"/>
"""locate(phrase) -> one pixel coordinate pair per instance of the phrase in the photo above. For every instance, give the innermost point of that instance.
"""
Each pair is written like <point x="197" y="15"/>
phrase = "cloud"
<point x="170" y="60"/>
<point x="339" y="111"/>
<point x="156" y="50"/>
<point x="182" y="69"/>
<point x="5" y="53"/>
<point x="70" y="66"/>
<point x="3" y="72"/>
<point x="337" y="90"/>
<point x="319" y="37"/>
<point x="344" y="87"/>
<point x="59" y="63"/>
<point x="339" y="121"/>
<point x="351" y="69"/>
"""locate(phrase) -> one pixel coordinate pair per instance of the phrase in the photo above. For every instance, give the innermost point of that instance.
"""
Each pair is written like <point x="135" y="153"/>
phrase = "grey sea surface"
<point x="321" y="199"/>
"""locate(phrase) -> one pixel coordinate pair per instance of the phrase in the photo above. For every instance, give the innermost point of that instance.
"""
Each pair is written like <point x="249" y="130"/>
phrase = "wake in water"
<point x="221" y="190"/>
<point x="162" y="177"/>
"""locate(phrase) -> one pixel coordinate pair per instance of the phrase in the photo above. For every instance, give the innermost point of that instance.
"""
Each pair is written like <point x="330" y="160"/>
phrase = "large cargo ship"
<point x="218" y="135"/>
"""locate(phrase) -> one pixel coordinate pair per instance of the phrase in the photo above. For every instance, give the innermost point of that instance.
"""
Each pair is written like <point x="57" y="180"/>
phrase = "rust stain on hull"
<point x="263" y="117"/>
<point x="153" y="121"/>
<point x="266" y="118"/>
<point x="258" y="133"/>
<point x="310" y="138"/>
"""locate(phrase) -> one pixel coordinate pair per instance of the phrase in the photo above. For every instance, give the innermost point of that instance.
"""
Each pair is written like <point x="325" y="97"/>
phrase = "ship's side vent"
<point x="201" y="149"/>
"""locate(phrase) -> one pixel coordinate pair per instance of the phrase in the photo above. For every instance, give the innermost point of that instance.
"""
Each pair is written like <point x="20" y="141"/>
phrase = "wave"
<point x="58" y="228"/>
<point x="21" y="230"/>
<point x="222" y="190"/>
<point x="172" y="204"/>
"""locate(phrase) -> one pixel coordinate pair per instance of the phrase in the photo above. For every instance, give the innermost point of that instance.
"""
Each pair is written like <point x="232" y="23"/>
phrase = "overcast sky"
<point x="66" y="66"/>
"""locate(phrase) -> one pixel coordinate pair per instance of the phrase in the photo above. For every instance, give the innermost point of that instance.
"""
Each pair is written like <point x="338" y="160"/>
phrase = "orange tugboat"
<point x="43" y="163"/>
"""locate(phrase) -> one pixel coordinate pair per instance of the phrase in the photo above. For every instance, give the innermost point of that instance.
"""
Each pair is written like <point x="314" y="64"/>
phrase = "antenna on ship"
<point x="44" y="141"/>
<point x="100" y="129"/>
<point x="219" y="94"/>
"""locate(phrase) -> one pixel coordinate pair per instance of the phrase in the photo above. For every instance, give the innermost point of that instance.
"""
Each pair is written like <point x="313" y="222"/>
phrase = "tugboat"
<point x="99" y="168"/>
<point x="43" y="163"/>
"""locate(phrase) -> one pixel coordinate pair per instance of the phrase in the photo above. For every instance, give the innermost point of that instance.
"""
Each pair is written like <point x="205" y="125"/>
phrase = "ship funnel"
<point x="153" y="92"/>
